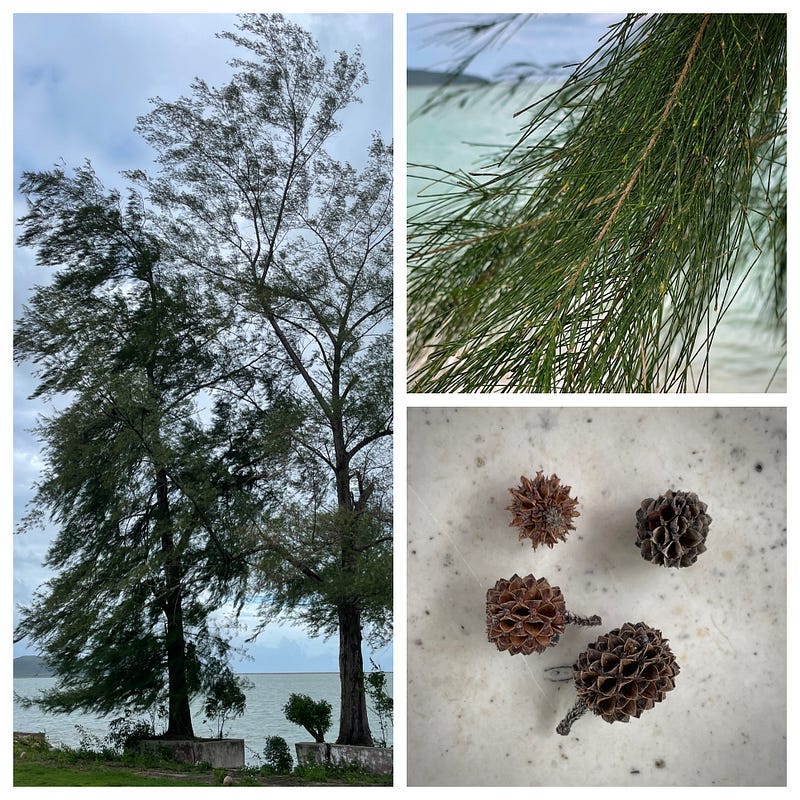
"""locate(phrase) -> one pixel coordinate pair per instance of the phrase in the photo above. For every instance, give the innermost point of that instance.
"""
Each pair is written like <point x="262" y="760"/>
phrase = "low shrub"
<point x="313" y="715"/>
<point x="277" y="755"/>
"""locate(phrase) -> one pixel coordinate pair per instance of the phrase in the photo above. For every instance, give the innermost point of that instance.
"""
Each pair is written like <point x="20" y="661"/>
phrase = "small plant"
<point x="382" y="703"/>
<point x="225" y="701"/>
<point x="313" y="715"/>
<point x="351" y="773"/>
<point x="278" y="756"/>
<point x="311" y="771"/>
<point x="92" y="746"/>
<point x="125" y="731"/>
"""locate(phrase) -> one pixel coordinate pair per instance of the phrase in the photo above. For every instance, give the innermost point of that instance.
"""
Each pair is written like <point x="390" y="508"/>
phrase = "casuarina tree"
<point x="123" y="345"/>
<point x="297" y="246"/>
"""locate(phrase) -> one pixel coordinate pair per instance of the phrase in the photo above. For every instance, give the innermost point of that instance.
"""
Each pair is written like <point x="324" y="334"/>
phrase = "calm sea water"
<point x="746" y="356"/>
<point x="263" y="716"/>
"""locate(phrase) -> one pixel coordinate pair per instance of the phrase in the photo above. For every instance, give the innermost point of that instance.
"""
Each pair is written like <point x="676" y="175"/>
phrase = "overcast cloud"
<point x="80" y="81"/>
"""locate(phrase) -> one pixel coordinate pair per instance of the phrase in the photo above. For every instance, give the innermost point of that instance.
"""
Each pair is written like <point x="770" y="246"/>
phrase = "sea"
<point x="747" y="354"/>
<point x="263" y="714"/>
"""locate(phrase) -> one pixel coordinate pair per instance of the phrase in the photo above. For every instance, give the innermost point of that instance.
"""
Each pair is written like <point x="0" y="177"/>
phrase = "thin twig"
<point x="650" y="145"/>
<point x="576" y="712"/>
<point x="576" y="619"/>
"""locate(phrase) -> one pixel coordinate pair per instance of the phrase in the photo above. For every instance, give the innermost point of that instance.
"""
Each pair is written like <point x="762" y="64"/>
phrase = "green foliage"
<point x="118" y="745"/>
<point x="315" y="596"/>
<point x="299" y="247"/>
<point x="91" y="746"/>
<point x="355" y="774"/>
<point x="382" y="703"/>
<point x="469" y="35"/>
<point x="219" y="776"/>
<point x="250" y="776"/>
<point x="135" y="528"/>
<point x="225" y="700"/>
<point x="600" y="252"/>
<point x="313" y="715"/>
<point x="125" y="731"/>
<point x="311" y="771"/>
<point x="277" y="755"/>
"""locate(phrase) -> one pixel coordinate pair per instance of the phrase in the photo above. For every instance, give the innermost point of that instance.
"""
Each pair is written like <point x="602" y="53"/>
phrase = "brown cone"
<point x="543" y="510"/>
<point x="524" y="615"/>
<point x="625" y="672"/>
<point x="672" y="529"/>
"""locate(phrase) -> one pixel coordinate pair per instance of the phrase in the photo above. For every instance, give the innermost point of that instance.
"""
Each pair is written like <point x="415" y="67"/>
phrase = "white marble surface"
<point x="477" y="716"/>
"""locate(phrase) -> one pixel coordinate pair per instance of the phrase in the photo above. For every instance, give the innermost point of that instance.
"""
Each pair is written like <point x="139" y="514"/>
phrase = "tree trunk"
<point x="354" y="724"/>
<point x="180" y="715"/>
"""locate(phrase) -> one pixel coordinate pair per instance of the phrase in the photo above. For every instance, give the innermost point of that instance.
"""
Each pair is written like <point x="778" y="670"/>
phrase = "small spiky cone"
<point x="672" y="529"/>
<point x="526" y="615"/>
<point x="543" y="509"/>
<point x="624" y="673"/>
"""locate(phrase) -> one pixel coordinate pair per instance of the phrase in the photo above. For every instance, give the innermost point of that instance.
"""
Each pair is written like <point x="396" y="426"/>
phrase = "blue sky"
<point x="546" y="39"/>
<point x="80" y="81"/>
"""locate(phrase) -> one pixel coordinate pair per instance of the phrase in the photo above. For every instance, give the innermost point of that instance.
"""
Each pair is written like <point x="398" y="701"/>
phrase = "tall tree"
<point x="337" y="295"/>
<point x="299" y="247"/>
<point x="601" y="251"/>
<point x="126" y="345"/>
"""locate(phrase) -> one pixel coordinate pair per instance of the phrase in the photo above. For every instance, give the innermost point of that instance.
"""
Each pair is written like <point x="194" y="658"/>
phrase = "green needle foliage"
<point x="601" y="251"/>
<point x="141" y="557"/>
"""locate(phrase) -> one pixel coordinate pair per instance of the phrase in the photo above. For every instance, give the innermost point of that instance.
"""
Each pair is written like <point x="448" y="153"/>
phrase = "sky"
<point x="80" y="81"/>
<point x="545" y="39"/>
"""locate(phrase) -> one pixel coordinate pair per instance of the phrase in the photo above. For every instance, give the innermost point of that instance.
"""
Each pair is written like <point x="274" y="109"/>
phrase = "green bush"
<point x="90" y="746"/>
<point x="225" y="701"/>
<point x="277" y="755"/>
<point x="310" y="771"/>
<point x="125" y="731"/>
<point x="355" y="774"/>
<point x="382" y="703"/>
<point x="313" y="715"/>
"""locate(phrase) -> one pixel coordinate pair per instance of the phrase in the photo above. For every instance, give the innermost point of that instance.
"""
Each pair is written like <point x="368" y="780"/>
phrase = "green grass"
<point x="43" y="774"/>
<point x="37" y="764"/>
<point x="48" y="773"/>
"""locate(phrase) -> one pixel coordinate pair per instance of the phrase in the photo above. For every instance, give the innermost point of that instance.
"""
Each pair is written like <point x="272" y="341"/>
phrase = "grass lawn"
<point x="42" y="774"/>
<point x="38" y="764"/>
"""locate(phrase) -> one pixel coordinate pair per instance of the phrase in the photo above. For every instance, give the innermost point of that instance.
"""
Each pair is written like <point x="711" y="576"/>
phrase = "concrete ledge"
<point x="31" y="739"/>
<point x="225" y="753"/>
<point x="379" y="760"/>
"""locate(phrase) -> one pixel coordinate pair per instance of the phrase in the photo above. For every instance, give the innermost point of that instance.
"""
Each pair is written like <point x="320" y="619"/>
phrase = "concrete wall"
<point x="379" y="760"/>
<point x="225" y="753"/>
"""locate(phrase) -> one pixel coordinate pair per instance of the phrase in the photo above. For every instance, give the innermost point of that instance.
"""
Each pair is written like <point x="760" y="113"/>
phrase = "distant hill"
<point x="425" y="77"/>
<point x="31" y="667"/>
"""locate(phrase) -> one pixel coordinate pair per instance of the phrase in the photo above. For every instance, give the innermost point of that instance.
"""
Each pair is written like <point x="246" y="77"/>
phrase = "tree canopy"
<point x="126" y="345"/>
<point x="300" y="246"/>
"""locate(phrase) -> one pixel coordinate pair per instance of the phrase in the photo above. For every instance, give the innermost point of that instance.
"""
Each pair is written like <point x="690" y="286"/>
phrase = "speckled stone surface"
<point x="477" y="716"/>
